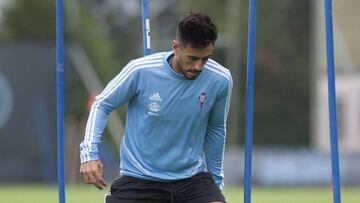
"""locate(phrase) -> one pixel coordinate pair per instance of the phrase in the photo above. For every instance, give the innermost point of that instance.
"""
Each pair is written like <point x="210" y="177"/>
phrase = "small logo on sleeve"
<point x="202" y="98"/>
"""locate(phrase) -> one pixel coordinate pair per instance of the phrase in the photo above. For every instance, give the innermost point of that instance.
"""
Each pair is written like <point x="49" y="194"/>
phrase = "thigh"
<point x="200" y="188"/>
<point x="133" y="190"/>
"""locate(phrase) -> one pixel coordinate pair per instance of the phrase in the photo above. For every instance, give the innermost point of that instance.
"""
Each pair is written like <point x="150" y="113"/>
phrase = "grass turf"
<point x="89" y="194"/>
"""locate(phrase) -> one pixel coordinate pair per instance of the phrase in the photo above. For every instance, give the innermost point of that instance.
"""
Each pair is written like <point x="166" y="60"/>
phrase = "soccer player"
<point x="173" y="144"/>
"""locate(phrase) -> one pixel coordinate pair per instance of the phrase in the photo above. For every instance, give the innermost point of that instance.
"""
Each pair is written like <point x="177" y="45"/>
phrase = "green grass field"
<point x="89" y="194"/>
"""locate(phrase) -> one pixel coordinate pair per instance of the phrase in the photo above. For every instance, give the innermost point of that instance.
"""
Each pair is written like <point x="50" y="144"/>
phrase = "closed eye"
<point x="194" y="58"/>
<point x="206" y="59"/>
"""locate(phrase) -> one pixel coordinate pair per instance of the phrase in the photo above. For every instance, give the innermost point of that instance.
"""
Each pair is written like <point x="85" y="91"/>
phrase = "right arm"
<point x="117" y="92"/>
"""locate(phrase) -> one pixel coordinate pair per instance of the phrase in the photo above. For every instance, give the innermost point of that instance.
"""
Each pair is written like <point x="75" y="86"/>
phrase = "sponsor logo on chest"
<point x="154" y="105"/>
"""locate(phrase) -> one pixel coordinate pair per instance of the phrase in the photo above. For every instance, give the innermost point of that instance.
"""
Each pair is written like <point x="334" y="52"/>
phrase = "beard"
<point x="187" y="72"/>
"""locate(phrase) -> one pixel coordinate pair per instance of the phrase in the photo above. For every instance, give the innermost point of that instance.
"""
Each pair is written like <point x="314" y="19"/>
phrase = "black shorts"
<point x="200" y="188"/>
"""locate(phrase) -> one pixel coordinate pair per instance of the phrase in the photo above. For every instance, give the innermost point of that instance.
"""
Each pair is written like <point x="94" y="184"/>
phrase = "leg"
<point x="200" y="188"/>
<point x="133" y="190"/>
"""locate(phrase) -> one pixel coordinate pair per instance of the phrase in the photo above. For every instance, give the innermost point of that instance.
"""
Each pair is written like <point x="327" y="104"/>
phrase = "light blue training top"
<point x="175" y="127"/>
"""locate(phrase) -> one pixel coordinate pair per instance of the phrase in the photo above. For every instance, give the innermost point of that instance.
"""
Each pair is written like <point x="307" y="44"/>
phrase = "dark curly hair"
<point x="196" y="29"/>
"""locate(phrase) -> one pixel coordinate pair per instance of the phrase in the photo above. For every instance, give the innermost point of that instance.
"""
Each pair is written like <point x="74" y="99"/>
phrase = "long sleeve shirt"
<point x="175" y="127"/>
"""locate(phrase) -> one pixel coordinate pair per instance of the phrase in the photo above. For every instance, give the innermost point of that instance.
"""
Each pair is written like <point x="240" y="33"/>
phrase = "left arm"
<point x="214" y="145"/>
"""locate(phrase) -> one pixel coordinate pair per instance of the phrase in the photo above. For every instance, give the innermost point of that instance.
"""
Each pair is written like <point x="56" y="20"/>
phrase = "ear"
<point x="175" y="46"/>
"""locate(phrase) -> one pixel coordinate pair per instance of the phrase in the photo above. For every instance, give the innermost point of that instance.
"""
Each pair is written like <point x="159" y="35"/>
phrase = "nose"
<point x="199" y="65"/>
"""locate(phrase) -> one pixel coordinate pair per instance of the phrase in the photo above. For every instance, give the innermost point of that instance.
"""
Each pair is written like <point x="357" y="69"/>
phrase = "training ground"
<point x="89" y="194"/>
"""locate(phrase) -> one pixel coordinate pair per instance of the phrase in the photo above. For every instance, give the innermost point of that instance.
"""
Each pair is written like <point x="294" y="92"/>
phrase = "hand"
<point x="93" y="173"/>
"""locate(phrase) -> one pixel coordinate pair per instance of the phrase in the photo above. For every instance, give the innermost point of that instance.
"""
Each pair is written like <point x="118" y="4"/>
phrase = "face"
<point x="190" y="61"/>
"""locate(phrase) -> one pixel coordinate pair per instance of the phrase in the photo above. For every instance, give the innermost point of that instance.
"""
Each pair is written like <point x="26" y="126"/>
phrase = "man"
<point x="173" y="145"/>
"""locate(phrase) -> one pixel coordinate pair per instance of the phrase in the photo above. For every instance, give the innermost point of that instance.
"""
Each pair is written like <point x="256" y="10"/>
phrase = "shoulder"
<point x="218" y="72"/>
<point x="149" y="59"/>
<point x="146" y="62"/>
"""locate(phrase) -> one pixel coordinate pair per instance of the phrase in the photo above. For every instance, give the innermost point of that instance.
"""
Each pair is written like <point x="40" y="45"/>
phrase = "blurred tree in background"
<point x="30" y="20"/>
<point x="282" y="91"/>
<point x="92" y="33"/>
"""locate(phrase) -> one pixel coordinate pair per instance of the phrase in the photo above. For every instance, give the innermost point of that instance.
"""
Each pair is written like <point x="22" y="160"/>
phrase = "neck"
<point x="173" y="63"/>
